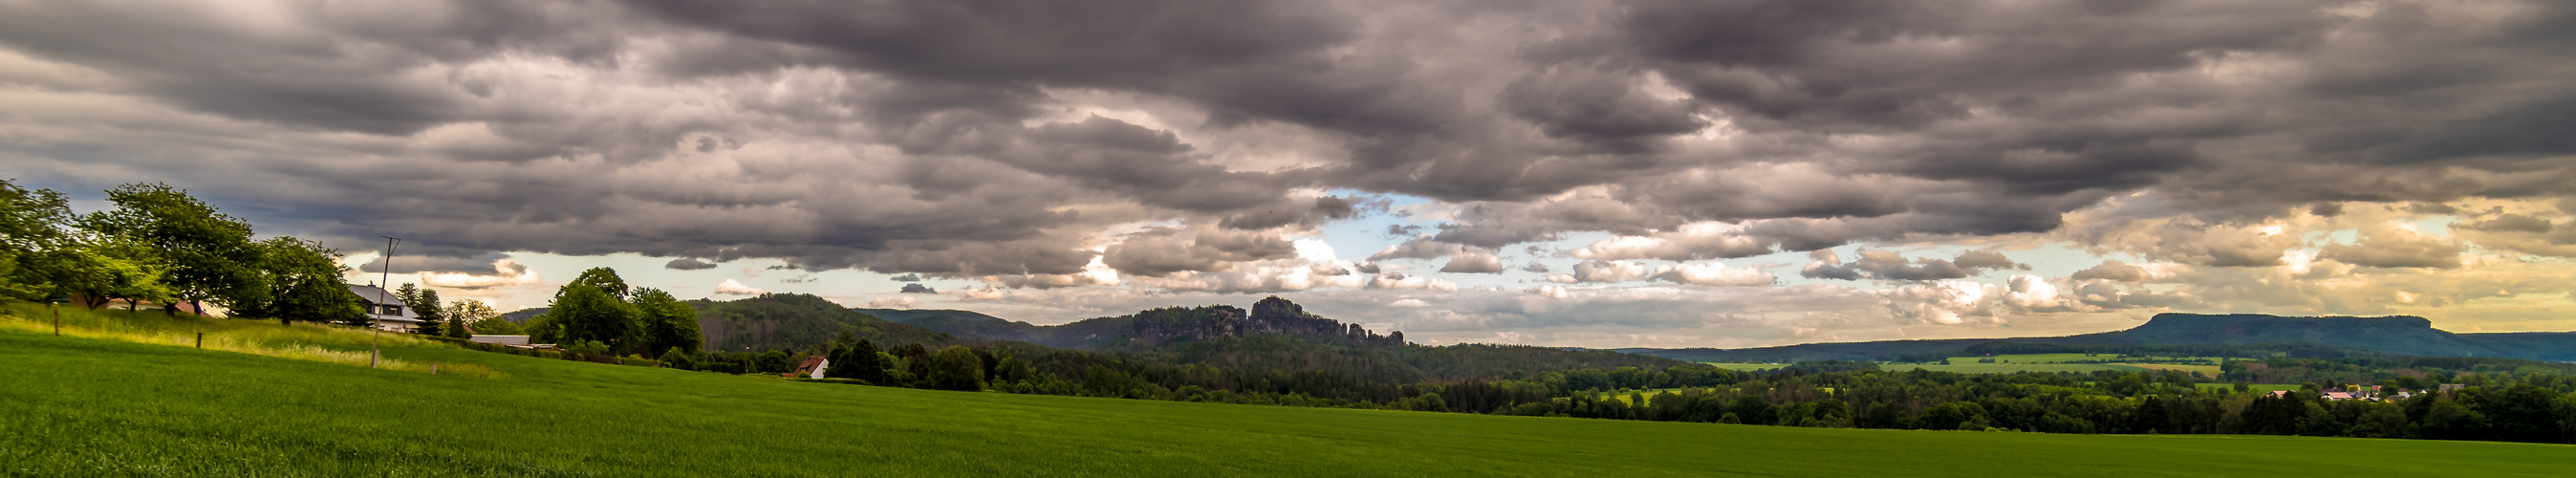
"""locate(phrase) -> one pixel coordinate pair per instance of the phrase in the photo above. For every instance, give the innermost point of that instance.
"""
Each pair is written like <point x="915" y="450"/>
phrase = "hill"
<point x="188" y="414"/>
<point x="797" y="322"/>
<point x="1088" y="334"/>
<point x="1271" y="315"/>
<point x="2195" y="334"/>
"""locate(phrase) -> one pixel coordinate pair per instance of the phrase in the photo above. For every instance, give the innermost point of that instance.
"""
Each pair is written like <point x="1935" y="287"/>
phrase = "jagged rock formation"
<point x="1270" y="316"/>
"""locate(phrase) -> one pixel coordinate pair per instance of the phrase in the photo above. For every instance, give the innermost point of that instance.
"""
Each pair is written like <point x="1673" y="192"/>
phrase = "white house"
<point x="812" y="368"/>
<point x="384" y="310"/>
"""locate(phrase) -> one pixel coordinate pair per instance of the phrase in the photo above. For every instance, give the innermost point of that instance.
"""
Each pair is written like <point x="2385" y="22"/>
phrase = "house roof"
<point x="809" y="365"/>
<point x="368" y="295"/>
<point x="373" y="295"/>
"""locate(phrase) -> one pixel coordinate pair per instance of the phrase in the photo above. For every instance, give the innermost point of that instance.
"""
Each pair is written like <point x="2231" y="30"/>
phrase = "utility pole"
<point x="375" y="351"/>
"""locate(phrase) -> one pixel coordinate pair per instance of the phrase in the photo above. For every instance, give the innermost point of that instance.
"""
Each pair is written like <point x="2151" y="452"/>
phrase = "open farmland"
<point x="1747" y="367"/>
<point x="83" y="406"/>
<point x="2054" y="363"/>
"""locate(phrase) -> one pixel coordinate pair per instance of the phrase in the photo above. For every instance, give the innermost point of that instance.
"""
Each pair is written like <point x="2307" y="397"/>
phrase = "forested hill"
<point x="1156" y="326"/>
<point x="2198" y="334"/>
<point x="798" y="322"/>
<point x="1089" y="334"/>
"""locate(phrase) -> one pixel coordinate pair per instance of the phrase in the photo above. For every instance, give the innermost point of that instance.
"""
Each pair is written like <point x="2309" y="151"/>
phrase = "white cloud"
<point x="1610" y="271"/>
<point x="506" y="273"/>
<point x="1393" y="281"/>
<point x="735" y="287"/>
<point x="892" y="303"/>
<point x="1714" y="274"/>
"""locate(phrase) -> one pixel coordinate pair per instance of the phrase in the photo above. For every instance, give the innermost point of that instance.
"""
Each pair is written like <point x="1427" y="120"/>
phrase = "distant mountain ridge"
<point x="2396" y="335"/>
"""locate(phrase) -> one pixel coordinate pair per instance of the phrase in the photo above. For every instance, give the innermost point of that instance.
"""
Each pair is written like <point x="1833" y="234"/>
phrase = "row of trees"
<point x="160" y="245"/>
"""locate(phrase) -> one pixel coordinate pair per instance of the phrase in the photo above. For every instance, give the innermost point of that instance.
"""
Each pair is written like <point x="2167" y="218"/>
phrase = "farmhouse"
<point x="812" y="368"/>
<point x="383" y="310"/>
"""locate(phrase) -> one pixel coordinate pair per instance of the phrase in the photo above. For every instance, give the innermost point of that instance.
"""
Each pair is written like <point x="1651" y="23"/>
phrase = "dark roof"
<point x="370" y="293"/>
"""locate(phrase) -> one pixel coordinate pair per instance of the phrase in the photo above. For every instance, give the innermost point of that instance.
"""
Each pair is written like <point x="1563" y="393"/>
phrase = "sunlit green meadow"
<point x="89" y="406"/>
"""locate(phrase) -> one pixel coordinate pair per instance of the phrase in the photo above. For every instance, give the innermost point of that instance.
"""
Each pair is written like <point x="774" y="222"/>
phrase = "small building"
<point x="2337" y="396"/>
<point x="386" y="312"/>
<point x="811" y="368"/>
<point x="501" y="339"/>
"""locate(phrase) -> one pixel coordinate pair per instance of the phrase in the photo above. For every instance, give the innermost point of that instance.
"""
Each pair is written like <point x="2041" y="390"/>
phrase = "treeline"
<point x="2006" y="347"/>
<point x="2406" y="372"/>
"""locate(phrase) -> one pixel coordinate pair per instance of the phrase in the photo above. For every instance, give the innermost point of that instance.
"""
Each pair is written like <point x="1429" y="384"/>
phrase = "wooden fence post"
<point x="58" y="317"/>
<point x="201" y="340"/>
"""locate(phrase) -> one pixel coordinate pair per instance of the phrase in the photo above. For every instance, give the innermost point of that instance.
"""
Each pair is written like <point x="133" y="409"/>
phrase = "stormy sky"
<point x="1558" y="172"/>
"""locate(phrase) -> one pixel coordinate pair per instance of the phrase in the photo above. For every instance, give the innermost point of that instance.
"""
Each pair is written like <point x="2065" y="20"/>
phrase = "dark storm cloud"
<point x="1597" y="108"/>
<point x="916" y="288"/>
<point x="688" y="264"/>
<point x="1162" y="251"/>
<point x="946" y="137"/>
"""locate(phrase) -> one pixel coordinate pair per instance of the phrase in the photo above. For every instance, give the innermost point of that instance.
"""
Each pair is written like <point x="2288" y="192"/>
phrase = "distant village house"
<point x="812" y="368"/>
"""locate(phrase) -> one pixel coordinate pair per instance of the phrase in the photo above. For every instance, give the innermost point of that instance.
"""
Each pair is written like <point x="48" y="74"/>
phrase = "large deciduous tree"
<point x="301" y="282"/>
<point x="584" y="312"/>
<point x="32" y="232"/>
<point x="209" y="255"/>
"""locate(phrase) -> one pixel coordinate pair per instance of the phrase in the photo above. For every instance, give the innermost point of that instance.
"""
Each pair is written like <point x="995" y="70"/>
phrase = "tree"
<point x="424" y="303"/>
<point x="32" y="231"/>
<point x="605" y="279"/>
<point x="956" y="368"/>
<point x="858" y="360"/>
<point x="584" y="312"/>
<point x="466" y="318"/>
<point x="301" y="282"/>
<point x="2382" y="420"/>
<point x="97" y="275"/>
<point x="496" y="325"/>
<point x="668" y="323"/>
<point x="209" y="255"/>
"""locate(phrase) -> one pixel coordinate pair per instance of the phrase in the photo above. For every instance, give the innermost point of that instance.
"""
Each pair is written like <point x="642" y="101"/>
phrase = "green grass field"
<point x="80" y="406"/>
<point x="1745" y="366"/>
<point x="2255" y="387"/>
<point x="2051" y="363"/>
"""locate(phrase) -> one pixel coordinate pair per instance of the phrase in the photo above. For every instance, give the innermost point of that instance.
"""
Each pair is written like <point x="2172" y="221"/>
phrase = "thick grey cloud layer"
<point x="1181" y="140"/>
